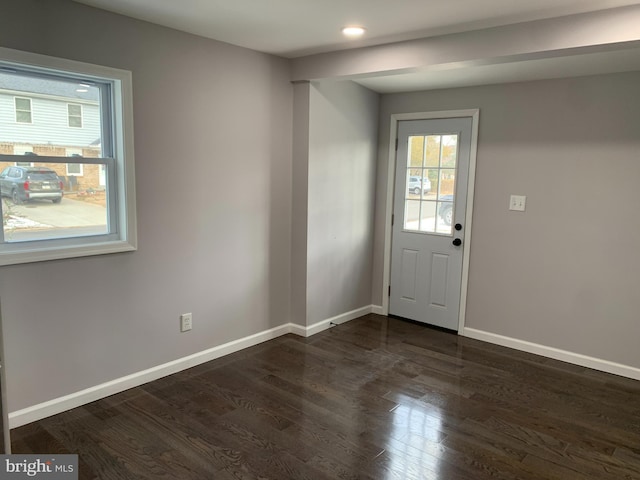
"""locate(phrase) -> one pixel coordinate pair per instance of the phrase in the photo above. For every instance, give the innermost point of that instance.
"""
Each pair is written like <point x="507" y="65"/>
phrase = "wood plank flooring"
<point x="376" y="398"/>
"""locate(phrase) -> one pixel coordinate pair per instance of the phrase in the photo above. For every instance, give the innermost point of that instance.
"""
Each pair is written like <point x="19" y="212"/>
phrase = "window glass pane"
<point x="63" y="114"/>
<point x="416" y="151"/>
<point x="449" y="151"/>
<point x="428" y="217"/>
<point x="432" y="176"/>
<point x="23" y="117"/>
<point x="23" y="104"/>
<point x="412" y="215"/>
<point x="432" y="156"/>
<point x="74" y="169"/>
<point x="435" y="182"/>
<point x="75" y="116"/>
<point x="426" y="184"/>
<point x="44" y="203"/>
<point x="416" y="183"/>
<point x="447" y="182"/>
<point x="444" y="218"/>
<point x="23" y="110"/>
<point x="75" y="110"/>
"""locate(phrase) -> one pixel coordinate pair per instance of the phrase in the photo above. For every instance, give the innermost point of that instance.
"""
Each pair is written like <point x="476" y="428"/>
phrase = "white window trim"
<point x="73" y="174"/>
<point x="69" y="115"/>
<point x="25" y="148"/>
<point x="123" y="174"/>
<point x="15" y="108"/>
<point x="75" y="154"/>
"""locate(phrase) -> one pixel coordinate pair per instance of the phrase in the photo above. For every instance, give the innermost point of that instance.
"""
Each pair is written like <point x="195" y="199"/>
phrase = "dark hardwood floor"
<point x="374" y="398"/>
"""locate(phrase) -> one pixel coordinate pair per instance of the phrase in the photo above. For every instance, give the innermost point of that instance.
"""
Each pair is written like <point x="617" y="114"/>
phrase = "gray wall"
<point x="563" y="273"/>
<point x="300" y="199"/>
<point x="342" y="164"/>
<point x="213" y="169"/>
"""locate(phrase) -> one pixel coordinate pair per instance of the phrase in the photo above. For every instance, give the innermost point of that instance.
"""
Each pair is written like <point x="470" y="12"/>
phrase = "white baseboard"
<point x="77" y="399"/>
<point x="555" y="353"/>
<point x="377" y="309"/>
<point x="337" y="320"/>
<point x="298" y="330"/>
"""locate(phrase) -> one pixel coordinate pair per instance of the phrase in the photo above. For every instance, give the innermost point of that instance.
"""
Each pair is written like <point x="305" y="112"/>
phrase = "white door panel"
<point x="438" y="281"/>
<point x="432" y="171"/>
<point x="408" y="274"/>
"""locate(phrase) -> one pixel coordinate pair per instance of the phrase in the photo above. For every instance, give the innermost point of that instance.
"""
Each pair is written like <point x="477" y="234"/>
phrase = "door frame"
<point x="391" y="176"/>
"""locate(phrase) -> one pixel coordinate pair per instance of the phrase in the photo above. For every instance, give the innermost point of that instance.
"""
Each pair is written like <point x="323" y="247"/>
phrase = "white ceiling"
<point x="292" y="28"/>
<point x="538" y="69"/>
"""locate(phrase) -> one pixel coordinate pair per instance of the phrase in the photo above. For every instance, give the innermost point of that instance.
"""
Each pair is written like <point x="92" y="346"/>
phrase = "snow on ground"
<point x="13" y="222"/>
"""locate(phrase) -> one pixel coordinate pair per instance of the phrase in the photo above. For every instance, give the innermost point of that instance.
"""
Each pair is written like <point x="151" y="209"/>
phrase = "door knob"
<point x="458" y="226"/>
<point x="457" y="242"/>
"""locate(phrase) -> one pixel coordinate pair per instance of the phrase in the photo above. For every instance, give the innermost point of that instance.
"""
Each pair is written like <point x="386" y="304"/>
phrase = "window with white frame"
<point x="23" y="110"/>
<point x="74" y="169"/>
<point x="27" y="151"/>
<point x="75" y="197"/>
<point x="74" y="114"/>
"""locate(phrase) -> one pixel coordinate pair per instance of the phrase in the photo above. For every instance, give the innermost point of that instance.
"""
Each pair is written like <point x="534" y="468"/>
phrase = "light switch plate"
<point x="518" y="203"/>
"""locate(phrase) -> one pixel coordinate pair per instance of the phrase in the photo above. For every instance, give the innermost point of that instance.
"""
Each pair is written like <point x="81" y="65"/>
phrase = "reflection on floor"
<point x="374" y="398"/>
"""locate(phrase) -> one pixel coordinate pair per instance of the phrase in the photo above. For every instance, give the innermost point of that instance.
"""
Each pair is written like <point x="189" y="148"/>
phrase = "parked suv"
<point x="28" y="183"/>
<point x="415" y="182"/>
<point x="446" y="209"/>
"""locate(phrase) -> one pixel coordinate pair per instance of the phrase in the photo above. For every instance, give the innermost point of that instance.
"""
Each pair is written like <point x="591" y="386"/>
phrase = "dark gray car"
<point x="446" y="209"/>
<point x="30" y="183"/>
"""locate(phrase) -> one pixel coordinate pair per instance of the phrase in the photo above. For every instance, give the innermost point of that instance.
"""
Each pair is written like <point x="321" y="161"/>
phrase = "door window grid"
<point x="430" y="183"/>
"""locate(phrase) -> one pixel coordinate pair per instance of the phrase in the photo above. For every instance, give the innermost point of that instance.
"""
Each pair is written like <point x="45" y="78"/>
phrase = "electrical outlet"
<point x="518" y="203"/>
<point x="186" y="322"/>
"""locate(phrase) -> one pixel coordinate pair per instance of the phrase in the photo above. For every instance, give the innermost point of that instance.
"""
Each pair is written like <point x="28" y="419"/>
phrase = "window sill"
<point x="41" y="254"/>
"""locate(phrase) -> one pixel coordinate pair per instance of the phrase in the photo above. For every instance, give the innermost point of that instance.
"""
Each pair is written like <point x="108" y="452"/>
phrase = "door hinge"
<point x="393" y="218"/>
<point x="396" y="144"/>
<point x="389" y="290"/>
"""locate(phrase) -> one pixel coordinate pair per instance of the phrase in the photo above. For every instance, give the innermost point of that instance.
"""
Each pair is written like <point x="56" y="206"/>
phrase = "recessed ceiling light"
<point x="82" y="90"/>
<point x="353" y="31"/>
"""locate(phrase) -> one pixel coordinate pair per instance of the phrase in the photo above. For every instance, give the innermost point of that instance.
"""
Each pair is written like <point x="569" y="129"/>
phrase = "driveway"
<point x="68" y="213"/>
<point x="43" y="219"/>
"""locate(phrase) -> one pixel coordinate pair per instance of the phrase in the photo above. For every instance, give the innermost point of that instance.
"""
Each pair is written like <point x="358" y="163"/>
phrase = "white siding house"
<point x="51" y="118"/>
<point x="48" y="112"/>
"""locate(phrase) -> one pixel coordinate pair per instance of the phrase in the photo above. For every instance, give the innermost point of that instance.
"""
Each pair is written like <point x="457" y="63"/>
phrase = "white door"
<point x="432" y="171"/>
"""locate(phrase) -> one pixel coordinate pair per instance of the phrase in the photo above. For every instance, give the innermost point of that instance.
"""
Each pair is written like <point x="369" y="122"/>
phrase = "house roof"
<point x="45" y="86"/>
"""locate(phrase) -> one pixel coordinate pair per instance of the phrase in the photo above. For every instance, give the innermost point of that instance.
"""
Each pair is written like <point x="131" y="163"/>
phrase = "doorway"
<point x="431" y="180"/>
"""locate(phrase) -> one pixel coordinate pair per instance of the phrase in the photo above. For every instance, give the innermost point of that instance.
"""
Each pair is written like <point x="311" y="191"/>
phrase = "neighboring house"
<point x="53" y="119"/>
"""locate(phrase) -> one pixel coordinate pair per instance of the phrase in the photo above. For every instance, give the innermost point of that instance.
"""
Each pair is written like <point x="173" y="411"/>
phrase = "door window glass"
<point x="430" y="183"/>
<point x="412" y="215"/>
